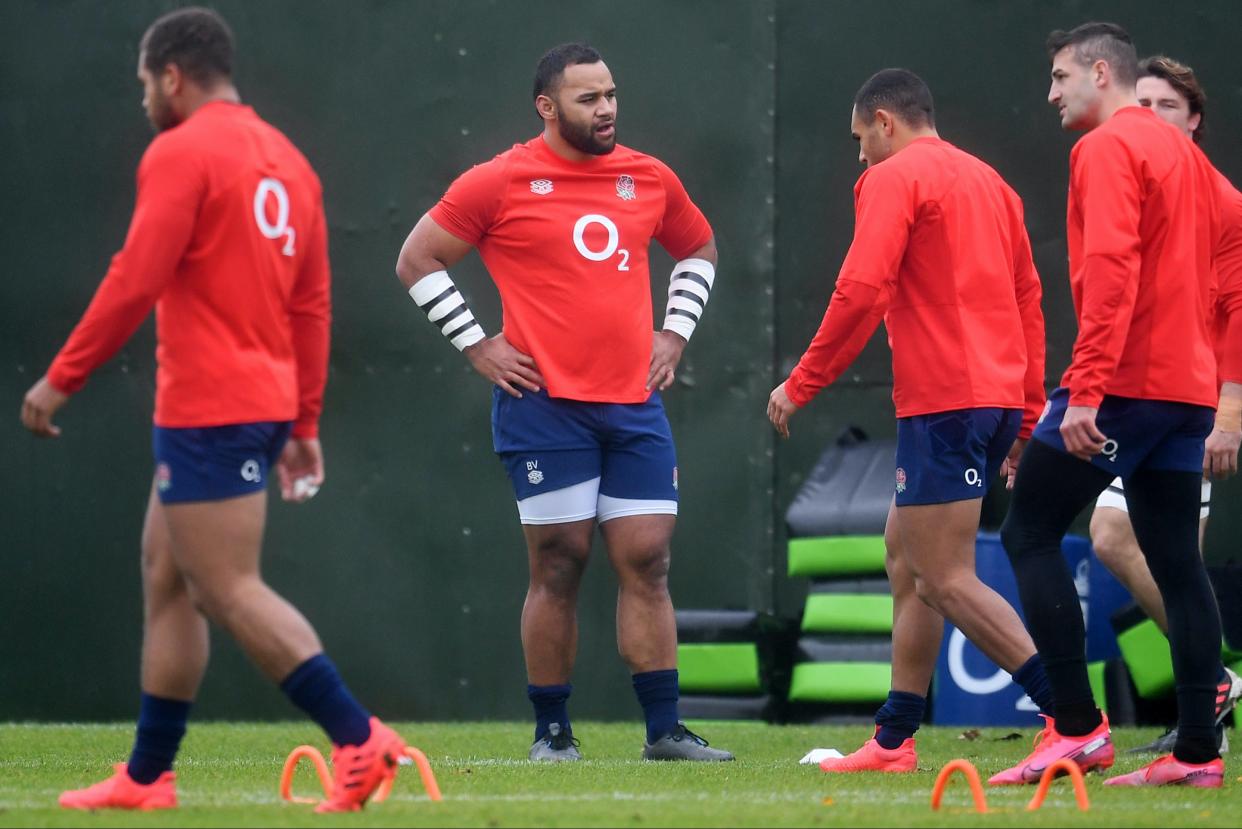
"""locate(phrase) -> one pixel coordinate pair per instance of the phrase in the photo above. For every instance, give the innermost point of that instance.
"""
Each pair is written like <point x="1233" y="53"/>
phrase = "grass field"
<point x="229" y="773"/>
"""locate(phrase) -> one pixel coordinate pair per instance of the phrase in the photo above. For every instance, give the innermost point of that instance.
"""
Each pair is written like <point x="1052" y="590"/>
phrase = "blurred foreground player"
<point x="563" y="224"/>
<point x="1171" y="90"/>
<point x="228" y="243"/>
<point x="940" y="252"/>
<point x="1136" y="402"/>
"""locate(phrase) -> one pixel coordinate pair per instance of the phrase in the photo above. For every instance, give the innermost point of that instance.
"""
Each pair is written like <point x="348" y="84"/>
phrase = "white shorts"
<point x="1115" y="497"/>
<point x="582" y="501"/>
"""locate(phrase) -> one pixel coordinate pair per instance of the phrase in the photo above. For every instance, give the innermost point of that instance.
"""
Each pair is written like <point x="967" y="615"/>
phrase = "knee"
<point x="649" y="566"/>
<point x="558" y="566"/>
<point x="218" y="600"/>
<point x="1114" y="545"/>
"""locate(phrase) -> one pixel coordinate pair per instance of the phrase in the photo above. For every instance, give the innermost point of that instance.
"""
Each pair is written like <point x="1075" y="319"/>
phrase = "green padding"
<point x="836" y="555"/>
<point x="840" y="682"/>
<point x="1095" y="673"/>
<point x="848" y="613"/>
<point x="1147" y="657"/>
<point x="718" y="669"/>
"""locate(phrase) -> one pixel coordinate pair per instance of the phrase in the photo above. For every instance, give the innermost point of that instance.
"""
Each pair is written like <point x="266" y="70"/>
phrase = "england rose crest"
<point x="901" y="479"/>
<point x="625" y="188"/>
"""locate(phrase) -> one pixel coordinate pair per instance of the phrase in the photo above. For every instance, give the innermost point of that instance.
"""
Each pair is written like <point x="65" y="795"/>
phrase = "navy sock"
<point x="550" y="707"/>
<point x="161" y="725"/>
<point x="657" y="693"/>
<point x="316" y="688"/>
<point x="898" y="718"/>
<point x="1034" y="680"/>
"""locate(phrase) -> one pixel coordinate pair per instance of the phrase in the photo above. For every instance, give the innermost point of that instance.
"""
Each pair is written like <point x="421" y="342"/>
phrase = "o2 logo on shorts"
<point x="533" y="473"/>
<point x="1110" y="449"/>
<point x="901" y="479"/>
<point x="250" y="471"/>
<point x="610" y="248"/>
<point x="973" y="478"/>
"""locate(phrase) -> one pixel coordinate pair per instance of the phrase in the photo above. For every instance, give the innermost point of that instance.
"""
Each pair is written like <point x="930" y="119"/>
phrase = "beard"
<point x="583" y="139"/>
<point x="160" y="113"/>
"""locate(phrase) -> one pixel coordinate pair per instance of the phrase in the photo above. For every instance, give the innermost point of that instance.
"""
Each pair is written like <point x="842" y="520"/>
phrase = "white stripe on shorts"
<point x="1115" y="497"/>
<point x="561" y="506"/>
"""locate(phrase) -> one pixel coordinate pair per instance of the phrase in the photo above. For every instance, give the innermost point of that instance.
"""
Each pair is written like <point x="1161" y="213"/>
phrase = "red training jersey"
<point x="566" y="244"/>
<point x="228" y="241"/>
<point x="1142" y="225"/>
<point x="1227" y="328"/>
<point x="940" y="252"/>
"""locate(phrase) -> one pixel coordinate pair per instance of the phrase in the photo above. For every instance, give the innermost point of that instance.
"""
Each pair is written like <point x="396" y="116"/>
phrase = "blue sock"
<point x="316" y="688"/>
<point x="657" y="694"/>
<point x="898" y="718"/>
<point x="550" y="707"/>
<point x="1034" y="680"/>
<point x="161" y="725"/>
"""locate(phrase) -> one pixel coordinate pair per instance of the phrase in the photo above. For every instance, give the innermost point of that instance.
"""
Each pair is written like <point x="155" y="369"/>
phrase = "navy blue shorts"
<point x="952" y="456"/>
<point x="212" y="463"/>
<point x="1142" y="434"/>
<point x="569" y="460"/>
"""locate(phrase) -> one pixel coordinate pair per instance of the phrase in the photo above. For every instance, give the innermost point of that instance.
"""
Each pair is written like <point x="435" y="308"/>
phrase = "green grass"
<point x="229" y="773"/>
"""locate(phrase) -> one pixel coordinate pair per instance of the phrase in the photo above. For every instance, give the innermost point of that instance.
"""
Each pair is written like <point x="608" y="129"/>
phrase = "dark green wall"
<point x="410" y="561"/>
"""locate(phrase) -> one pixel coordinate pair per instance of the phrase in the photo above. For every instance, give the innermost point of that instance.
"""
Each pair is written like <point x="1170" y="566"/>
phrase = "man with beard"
<point x="563" y="224"/>
<point x="228" y="242"/>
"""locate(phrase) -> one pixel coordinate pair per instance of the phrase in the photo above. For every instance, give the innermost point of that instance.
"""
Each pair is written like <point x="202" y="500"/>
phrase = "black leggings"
<point x="1052" y="488"/>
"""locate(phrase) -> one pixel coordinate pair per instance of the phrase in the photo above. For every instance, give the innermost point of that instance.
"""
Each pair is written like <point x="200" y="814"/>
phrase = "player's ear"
<point x="171" y="79"/>
<point x="1101" y="72"/>
<point x="885" y="119"/>
<point x="546" y="108"/>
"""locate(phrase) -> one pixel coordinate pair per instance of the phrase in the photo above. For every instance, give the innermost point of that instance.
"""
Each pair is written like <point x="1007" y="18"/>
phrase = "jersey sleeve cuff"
<point x="305" y="429"/>
<point x="64" y="382"/>
<point x="1088" y="398"/>
<point x="796" y="392"/>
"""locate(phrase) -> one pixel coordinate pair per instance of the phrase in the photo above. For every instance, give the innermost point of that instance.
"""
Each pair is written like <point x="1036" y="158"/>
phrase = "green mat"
<point x="840" y="682"/>
<point x="1147" y="656"/>
<point x="836" y="555"/>
<point x="848" y="613"/>
<point x="718" y="668"/>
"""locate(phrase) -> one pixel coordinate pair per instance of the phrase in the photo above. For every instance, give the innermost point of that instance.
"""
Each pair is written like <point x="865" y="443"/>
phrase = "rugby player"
<point x="228" y="243"/>
<point x="563" y="223"/>
<point x="1171" y="90"/>
<point x="940" y="252"/>
<point x="1136" y="402"/>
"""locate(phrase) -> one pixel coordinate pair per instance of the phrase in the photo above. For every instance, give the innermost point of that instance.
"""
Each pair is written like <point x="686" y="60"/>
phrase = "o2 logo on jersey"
<point x="270" y="187"/>
<point x="608" y="250"/>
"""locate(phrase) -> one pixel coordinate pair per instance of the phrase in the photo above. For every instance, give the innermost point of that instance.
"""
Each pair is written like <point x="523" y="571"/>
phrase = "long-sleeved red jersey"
<point x="1142" y="226"/>
<point x="1227" y="330"/>
<point x="228" y="241"/>
<point x="940" y="252"/>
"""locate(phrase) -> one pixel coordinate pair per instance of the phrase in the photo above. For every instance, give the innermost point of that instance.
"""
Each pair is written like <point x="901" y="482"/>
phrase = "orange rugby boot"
<point x="120" y="791"/>
<point x="874" y="757"/>
<point x="357" y="771"/>
<point x="1169" y="771"/>
<point x="1090" y="751"/>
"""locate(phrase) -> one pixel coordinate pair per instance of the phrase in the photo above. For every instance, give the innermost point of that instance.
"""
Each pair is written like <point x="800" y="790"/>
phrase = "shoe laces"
<point x="558" y="739"/>
<point x="1049" y="728"/>
<point x="682" y="733"/>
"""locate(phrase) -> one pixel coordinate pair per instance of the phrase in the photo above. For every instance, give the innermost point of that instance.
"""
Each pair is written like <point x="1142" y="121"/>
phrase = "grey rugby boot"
<point x="683" y="744"/>
<point x="555" y="746"/>
<point x="1227" y="695"/>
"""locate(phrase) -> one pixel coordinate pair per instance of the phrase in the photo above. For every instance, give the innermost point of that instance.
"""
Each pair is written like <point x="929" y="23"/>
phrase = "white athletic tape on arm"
<point x="689" y="289"/>
<point x="444" y="305"/>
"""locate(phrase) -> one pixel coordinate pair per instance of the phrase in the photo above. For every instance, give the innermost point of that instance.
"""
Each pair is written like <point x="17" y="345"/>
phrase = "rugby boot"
<point x="874" y="757"/>
<point x="1169" y="771"/>
<point x="1089" y="751"/>
<point x="120" y="791"/>
<point x="683" y="744"/>
<point x="357" y="771"/>
<point x="1228" y="693"/>
<point x="555" y="746"/>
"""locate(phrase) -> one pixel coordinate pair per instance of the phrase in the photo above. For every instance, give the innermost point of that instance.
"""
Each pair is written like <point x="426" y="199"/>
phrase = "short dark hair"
<point x="1099" y="41"/>
<point x="1182" y="78"/>
<point x="552" y="64"/>
<point x="899" y="91"/>
<point x="194" y="39"/>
